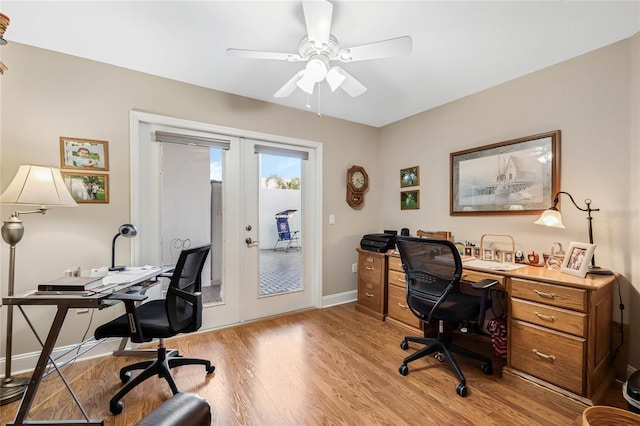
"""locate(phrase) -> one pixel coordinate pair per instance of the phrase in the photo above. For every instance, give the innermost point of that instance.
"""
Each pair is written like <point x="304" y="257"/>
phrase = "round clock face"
<point x="357" y="179"/>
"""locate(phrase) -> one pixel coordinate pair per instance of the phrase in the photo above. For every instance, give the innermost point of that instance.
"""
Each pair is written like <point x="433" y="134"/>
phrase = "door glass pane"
<point x="280" y="224"/>
<point x="212" y="293"/>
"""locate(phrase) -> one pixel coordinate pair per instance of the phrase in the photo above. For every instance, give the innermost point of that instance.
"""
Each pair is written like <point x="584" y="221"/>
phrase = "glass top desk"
<point x="64" y="302"/>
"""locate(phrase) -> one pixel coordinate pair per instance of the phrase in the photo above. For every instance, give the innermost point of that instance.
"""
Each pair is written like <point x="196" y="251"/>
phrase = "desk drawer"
<point x="370" y="295"/>
<point x="547" y="316"/>
<point x="475" y="276"/>
<point x="397" y="278"/>
<point x="398" y="308"/>
<point x="395" y="264"/>
<point x="549" y="355"/>
<point x="550" y="294"/>
<point x="371" y="268"/>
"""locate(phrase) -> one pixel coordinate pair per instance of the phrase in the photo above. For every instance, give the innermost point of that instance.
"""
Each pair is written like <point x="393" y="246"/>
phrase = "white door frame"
<point x="143" y="176"/>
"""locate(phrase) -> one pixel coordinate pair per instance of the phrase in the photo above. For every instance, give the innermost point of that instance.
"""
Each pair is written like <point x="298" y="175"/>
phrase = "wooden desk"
<point x="559" y="326"/>
<point x="63" y="303"/>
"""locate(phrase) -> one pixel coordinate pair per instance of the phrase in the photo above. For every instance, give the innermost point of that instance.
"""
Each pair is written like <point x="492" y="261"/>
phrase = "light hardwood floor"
<point x="333" y="366"/>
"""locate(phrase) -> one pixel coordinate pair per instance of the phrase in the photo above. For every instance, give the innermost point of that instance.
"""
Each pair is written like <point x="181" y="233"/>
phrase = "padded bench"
<point x="182" y="408"/>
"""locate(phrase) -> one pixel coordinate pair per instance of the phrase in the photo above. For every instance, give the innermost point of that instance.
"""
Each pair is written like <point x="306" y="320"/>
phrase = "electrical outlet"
<point x="354" y="268"/>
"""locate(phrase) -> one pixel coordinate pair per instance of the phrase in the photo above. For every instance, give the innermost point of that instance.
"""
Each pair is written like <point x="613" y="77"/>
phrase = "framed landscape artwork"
<point x="519" y="176"/>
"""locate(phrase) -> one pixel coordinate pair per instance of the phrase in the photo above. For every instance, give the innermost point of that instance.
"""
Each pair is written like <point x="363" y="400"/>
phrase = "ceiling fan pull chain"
<point x="319" y="114"/>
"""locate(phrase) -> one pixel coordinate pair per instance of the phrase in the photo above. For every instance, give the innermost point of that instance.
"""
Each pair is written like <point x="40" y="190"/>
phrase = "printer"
<point x="379" y="243"/>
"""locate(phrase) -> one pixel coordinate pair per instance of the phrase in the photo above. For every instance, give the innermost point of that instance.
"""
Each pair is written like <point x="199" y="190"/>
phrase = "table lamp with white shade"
<point x="33" y="185"/>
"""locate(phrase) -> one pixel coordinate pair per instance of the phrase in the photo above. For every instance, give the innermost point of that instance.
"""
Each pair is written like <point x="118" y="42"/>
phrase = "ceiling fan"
<point x="319" y="47"/>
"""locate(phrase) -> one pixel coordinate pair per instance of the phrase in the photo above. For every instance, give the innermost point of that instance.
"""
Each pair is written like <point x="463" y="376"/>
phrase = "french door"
<point x="177" y="204"/>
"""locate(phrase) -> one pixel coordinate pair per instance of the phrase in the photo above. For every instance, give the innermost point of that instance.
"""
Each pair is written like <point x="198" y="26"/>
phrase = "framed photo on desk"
<point x="577" y="260"/>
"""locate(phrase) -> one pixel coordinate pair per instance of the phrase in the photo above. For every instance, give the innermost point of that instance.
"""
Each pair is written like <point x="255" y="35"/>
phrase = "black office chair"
<point x="433" y="269"/>
<point x="179" y="312"/>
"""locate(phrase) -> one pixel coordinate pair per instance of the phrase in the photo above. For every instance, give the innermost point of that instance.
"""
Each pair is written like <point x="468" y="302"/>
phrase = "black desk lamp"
<point x="551" y="217"/>
<point x="127" y="230"/>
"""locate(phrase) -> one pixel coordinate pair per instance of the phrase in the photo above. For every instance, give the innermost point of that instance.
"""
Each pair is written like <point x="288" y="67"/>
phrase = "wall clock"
<point x="357" y="184"/>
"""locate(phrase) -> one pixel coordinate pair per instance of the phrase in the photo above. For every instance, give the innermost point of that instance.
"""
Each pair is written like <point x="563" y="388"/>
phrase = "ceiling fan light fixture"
<point x="335" y="78"/>
<point x="306" y="84"/>
<point x="316" y="68"/>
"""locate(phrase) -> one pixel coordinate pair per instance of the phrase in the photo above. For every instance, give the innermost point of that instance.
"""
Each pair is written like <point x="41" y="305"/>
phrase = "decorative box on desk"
<point x="372" y="278"/>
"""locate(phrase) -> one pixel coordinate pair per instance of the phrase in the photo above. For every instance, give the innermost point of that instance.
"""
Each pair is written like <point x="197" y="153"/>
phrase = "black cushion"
<point x="182" y="408"/>
<point x="153" y="322"/>
<point x="455" y="308"/>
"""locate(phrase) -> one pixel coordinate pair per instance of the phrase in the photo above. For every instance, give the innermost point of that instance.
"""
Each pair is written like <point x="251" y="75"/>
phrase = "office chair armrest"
<point x="484" y="284"/>
<point x="130" y="300"/>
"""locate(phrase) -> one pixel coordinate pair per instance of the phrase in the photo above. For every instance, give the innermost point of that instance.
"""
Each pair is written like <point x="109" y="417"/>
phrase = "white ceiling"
<point x="459" y="48"/>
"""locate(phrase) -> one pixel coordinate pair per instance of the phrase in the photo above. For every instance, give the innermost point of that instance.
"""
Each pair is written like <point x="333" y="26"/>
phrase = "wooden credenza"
<point x="559" y="331"/>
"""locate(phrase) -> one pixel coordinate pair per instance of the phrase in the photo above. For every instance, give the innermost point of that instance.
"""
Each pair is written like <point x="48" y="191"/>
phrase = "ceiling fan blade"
<point x="289" y="86"/>
<point x="335" y="77"/>
<point x="257" y="54"/>
<point x="317" y="15"/>
<point x="352" y="86"/>
<point x="379" y="49"/>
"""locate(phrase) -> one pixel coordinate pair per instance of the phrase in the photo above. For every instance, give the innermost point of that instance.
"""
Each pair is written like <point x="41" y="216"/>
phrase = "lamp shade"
<point x="38" y="186"/>
<point x="550" y="217"/>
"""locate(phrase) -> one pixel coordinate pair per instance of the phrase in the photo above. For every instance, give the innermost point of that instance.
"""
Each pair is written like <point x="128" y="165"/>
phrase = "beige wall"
<point x="46" y="95"/>
<point x="591" y="99"/>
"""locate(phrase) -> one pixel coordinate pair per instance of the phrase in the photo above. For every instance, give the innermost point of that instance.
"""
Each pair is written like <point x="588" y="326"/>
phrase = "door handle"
<point x="250" y="242"/>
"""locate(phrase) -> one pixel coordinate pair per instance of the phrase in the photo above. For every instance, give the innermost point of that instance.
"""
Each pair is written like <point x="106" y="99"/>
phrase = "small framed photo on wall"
<point x="85" y="154"/>
<point x="410" y="176"/>
<point x="410" y="200"/>
<point x="87" y="187"/>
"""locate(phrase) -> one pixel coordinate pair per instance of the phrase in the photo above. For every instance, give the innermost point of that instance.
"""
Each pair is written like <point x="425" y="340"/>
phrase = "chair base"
<point x="161" y="366"/>
<point x="444" y="348"/>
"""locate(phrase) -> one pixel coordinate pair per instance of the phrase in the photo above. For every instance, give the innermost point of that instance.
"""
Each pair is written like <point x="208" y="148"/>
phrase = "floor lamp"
<point x="552" y="217"/>
<point x="32" y="186"/>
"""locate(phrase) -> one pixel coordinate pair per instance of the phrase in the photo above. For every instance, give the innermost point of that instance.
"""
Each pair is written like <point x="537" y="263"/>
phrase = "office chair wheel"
<point x="461" y="390"/>
<point x="487" y="369"/>
<point x="404" y="345"/>
<point x="116" y="408"/>
<point x="125" y="377"/>
<point x="211" y="369"/>
<point x="440" y="357"/>
<point x="404" y="370"/>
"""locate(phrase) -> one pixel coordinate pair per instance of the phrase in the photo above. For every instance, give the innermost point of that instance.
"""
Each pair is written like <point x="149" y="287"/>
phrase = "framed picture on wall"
<point x="87" y="187"/>
<point x="577" y="258"/>
<point x="410" y="200"/>
<point x="85" y="154"/>
<point x="519" y="176"/>
<point x="410" y="176"/>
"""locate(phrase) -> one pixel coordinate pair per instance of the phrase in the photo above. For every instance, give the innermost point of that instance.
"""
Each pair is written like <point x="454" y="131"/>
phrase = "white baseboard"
<point x="339" y="298"/>
<point x="25" y="363"/>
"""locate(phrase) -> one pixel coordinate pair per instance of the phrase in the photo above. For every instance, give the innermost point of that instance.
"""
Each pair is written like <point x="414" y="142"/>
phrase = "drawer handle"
<point x="545" y="294"/>
<point x="402" y="280"/>
<point x="402" y="306"/>
<point x="464" y="276"/>
<point x="369" y="268"/>
<point x="546" y="317"/>
<point x="544" y="356"/>
<point x="368" y="294"/>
